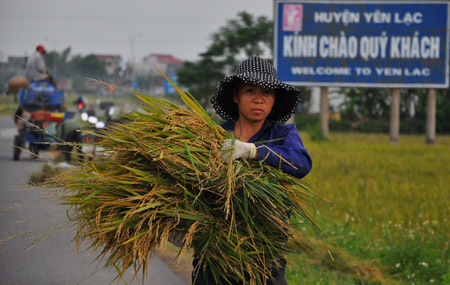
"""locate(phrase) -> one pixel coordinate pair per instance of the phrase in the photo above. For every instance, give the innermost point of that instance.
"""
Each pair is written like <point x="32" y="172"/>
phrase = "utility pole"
<point x="132" y="41"/>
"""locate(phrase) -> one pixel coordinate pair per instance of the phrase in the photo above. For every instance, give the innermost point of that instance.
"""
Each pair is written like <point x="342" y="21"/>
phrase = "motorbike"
<point x="40" y="107"/>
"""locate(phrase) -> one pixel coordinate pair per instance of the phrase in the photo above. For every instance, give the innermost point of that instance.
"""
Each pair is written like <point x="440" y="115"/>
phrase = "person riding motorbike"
<point x="81" y="103"/>
<point x="36" y="70"/>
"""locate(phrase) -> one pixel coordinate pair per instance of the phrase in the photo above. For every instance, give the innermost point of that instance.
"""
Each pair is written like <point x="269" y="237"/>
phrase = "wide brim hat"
<point x="257" y="71"/>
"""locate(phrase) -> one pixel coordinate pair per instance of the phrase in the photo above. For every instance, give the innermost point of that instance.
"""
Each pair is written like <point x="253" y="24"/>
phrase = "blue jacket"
<point x="290" y="147"/>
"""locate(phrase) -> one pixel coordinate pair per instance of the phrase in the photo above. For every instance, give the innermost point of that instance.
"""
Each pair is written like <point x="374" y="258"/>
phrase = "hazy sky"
<point x="181" y="28"/>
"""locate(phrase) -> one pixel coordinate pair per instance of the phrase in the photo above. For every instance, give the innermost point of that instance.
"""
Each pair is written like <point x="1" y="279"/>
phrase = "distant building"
<point x="164" y="62"/>
<point x="112" y="63"/>
<point x="18" y="63"/>
<point x="334" y="101"/>
<point x="145" y="71"/>
<point x="14" y="66"/>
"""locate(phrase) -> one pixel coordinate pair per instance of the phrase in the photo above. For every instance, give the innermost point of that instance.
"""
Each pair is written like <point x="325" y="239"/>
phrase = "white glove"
<point x="177" y="238"/>
<point x="240" y="150"/>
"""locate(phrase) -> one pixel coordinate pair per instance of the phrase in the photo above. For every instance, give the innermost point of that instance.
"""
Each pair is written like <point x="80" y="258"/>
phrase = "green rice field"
<point x="389" y="207"/>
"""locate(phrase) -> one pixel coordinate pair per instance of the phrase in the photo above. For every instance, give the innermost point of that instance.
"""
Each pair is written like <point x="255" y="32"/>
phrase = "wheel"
<point x="18" y="144"/>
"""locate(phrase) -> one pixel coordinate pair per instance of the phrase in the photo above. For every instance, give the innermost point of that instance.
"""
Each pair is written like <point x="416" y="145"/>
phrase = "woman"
<point x="254" y="103"/>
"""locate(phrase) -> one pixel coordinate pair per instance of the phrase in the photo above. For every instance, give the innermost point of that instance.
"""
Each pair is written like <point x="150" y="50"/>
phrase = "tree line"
<point x="78" y="67"/>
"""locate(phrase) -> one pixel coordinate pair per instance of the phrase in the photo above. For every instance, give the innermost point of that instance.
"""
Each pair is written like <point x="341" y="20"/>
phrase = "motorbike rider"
<point x="69" y="132"/>
<point x="81" y="103"/>
<point x="36" y="70"/>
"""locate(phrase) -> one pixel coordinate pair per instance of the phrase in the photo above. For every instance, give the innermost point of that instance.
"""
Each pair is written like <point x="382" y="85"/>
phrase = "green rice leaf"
<point x="153" y="205"/>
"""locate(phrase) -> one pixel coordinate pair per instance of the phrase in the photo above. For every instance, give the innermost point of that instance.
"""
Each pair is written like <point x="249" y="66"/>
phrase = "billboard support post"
<point x="431" y="116"/>
<point x="324" y="112"/>
<point x="395" y="115"/>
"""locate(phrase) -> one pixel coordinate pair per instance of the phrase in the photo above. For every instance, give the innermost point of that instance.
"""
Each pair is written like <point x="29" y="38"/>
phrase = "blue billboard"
<point x="168" y="87"/>
<point x="367" y="44"/>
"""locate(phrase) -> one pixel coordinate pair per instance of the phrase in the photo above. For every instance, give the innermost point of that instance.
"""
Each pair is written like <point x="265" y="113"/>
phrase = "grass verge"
<point x="390" y="207"/>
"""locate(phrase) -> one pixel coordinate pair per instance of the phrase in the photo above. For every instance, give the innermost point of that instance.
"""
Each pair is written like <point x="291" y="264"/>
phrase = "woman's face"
<point x="254" y="102"/>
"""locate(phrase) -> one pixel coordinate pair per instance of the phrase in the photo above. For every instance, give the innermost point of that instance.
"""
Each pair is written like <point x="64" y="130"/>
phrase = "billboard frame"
<point x="365" y="84"/>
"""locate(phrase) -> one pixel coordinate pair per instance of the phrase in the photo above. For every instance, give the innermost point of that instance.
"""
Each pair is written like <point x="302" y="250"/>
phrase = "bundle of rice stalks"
<point x="163" y="175"/>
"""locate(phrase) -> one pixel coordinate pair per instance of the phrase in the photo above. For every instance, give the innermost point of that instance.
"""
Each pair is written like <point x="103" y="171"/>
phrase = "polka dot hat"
<point x="258" y="71"/>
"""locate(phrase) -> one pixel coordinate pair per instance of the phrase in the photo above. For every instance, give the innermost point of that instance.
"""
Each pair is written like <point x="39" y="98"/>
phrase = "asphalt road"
<point x="53" y="260"/>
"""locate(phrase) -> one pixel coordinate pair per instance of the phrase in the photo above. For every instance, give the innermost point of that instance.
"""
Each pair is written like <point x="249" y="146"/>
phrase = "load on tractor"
<point x="41" y="106"/>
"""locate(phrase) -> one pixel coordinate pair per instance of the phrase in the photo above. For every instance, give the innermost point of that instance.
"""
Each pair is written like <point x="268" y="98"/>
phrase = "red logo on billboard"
<point x="292" y="17"/>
